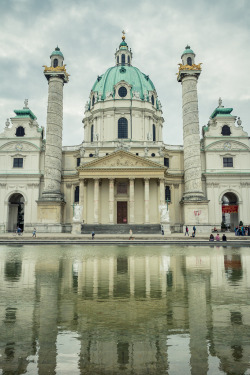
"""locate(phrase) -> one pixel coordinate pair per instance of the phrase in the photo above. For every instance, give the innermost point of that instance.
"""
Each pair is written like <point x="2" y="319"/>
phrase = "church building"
<point x="123" y="175"/>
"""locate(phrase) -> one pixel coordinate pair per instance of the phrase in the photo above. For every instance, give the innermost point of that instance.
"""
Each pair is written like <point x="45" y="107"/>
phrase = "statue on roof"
<point x="26" y="102"/>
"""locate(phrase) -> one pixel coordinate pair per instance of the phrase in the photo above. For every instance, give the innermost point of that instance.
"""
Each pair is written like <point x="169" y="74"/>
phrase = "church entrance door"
<point x="122" y="211"/>
<point x="16" y="212"/>
<point x="230" y="210"/>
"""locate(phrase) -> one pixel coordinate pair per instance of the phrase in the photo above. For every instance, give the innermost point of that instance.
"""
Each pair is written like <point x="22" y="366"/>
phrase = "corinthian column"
<point x="132" y="200"/>
<point x="146" y="199"/>
<point x="111" y="201"/>
<point x="96" y="200"/>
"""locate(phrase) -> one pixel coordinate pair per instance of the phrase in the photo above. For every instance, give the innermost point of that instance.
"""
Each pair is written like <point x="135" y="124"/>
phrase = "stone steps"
<point x="121" y="228"/>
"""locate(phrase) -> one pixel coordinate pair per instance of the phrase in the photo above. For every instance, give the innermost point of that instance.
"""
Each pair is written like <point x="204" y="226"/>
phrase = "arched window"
<point x="117" y="59"/>
<point x="154" y="134"/>
<point x="20" y="131"/>
<point x="128" y="60"/>
<point x="189" y="61"/>
<point x="92" y="133"/>
<point x="123" y="59"/>
<point x="225" y="130"/>
<point x="167" y="194"/>
<point x="93" y="100"/>
<point x="55" y="63"/>
<point x="152" y="99"/>
<point x="122" y="128"/>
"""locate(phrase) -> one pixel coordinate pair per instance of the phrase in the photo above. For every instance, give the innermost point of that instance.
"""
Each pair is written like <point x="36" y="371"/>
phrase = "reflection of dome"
<point x="139" y="81"/>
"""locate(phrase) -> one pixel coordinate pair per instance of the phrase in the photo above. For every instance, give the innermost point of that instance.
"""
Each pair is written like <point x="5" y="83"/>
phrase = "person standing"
<point x="93" y="235"/>
<point x="186" y="233"/>
<point x="194" y="230"/>
<point x="130" y="234"/>
<point x="34" y="233"/>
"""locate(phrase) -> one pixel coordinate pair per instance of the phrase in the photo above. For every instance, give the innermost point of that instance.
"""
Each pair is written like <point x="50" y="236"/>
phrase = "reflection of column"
<point x="111" y="276"/>
<point x="146" y="199"/>
<point x="132" y="275"/>
<point x="197" y="324"/>
<point x="96" y="200"/>
<point x="111" y="201"/>
<point x="132" y="200"/>
<point x="95" y="278"/>
<point x="47" y="289"/>
<point x="162" y="191"/>
<point x="147" y="274"/>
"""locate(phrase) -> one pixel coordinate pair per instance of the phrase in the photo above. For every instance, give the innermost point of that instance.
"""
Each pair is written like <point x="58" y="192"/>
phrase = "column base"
<point x="166" y="228"/>
<point x="195" y="212"/>
<point x="50" y="212"/>
<point x="2" y="228"/>
<point x="76" y="228"/>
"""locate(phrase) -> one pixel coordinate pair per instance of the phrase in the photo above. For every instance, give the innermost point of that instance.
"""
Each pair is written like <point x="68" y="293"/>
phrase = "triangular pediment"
<point x="121" y="160"/>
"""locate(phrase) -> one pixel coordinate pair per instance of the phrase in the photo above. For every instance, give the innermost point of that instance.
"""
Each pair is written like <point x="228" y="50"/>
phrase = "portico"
<point x="121" y="188"/>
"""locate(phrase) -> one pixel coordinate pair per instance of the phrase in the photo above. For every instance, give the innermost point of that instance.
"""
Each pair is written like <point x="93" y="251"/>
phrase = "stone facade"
<point x="123" y="172"/>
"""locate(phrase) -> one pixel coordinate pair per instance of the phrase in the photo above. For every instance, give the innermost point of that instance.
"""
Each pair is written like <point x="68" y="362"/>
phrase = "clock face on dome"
<point x="227" y="146"/>
<point x="19" y="147"/>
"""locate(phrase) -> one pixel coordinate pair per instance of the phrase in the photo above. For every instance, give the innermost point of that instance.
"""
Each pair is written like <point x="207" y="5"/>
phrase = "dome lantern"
<point x="123" y="55"/>
<point x="56" y="58"/>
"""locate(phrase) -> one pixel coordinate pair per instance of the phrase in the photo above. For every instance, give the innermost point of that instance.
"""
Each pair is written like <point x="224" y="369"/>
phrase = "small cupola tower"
<point x="123" y="55"/>
<point x="56" y="58"/>
<point x="188" y="56"/>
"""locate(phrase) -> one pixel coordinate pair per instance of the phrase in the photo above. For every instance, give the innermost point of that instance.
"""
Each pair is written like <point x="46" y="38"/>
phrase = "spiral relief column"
<point x="50" y="205"/>
<point x="193" y="198"/>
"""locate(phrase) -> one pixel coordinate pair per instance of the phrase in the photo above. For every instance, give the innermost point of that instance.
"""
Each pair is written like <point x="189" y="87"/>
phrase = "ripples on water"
<point x="124" y="310"/>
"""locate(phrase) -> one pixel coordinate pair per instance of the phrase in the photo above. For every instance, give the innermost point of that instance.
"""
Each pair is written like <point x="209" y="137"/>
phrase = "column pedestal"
<point x="50" y="216"/>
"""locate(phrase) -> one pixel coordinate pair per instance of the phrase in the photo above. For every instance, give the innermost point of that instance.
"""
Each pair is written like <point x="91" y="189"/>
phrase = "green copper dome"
<point x="139" y="81"/>
<point x="57" y="52"/>
<point x="188" y="50"/>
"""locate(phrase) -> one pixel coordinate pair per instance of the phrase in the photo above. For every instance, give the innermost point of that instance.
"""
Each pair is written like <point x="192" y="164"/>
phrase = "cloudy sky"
<point x="88" y="32"/>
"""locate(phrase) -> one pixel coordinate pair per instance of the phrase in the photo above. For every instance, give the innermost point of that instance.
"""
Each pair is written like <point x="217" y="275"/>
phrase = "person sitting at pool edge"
<point x="217" y="237"/>
<point x="211" y="238"/>
<point x="224" y="237"/>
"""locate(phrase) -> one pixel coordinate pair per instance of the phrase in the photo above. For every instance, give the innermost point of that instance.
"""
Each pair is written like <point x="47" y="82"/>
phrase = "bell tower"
<point x="193" y="199"/>
<point x="51" y="202"/>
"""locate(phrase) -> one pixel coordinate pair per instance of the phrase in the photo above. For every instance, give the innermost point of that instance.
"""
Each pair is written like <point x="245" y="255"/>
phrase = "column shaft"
<point x="53" y="151"/>
<point x="111" y="201"/>
<point x="146" y="200"/>
<point x="96" y="200"/>
<point x="132" y="200"/>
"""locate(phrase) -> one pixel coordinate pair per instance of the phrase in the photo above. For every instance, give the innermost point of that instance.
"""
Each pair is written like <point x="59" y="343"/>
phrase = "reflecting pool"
<point x="89" y="309"/>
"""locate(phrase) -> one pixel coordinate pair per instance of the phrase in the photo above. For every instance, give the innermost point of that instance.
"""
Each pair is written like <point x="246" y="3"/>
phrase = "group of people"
<point x="217" y="237"/>
<point x="242" y="231"/>
<point x="19" y="231"/>
<point x="187" y="231"/>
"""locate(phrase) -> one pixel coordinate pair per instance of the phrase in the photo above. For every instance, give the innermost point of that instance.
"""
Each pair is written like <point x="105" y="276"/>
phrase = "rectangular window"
<point x="122" y="188"/>
<point x="18" y="163"/>
<point x="227" y="162"/>
<point x="78" y="161"/>
<point x="166" y="162"/>
<point x="167" y="194"/>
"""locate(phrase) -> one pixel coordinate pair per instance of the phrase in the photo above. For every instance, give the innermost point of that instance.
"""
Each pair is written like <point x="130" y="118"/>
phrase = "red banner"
<point x="230" y="209"/>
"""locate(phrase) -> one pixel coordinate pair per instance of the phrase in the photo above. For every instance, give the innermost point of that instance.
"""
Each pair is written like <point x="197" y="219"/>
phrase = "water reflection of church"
<point x="125" y="310"/>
